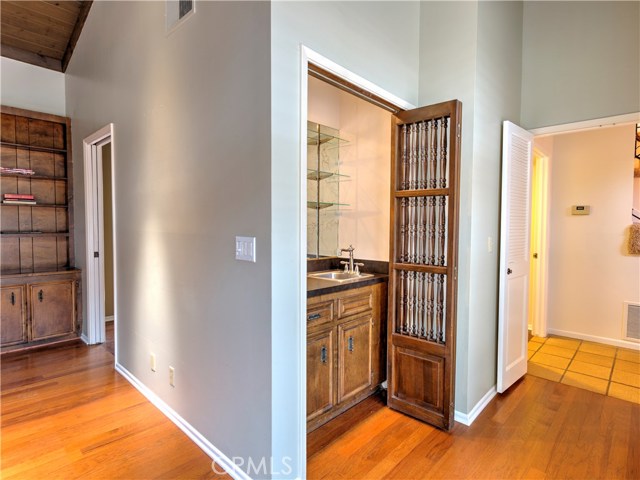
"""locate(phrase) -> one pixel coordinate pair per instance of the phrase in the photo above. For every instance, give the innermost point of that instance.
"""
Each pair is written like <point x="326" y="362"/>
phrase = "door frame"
<point x="94" y="234"/>
<point x="539" y="301"/>
<point x="360" y="87"/>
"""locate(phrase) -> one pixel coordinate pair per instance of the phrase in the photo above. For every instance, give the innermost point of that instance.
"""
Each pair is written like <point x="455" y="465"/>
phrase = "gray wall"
<point x="192" y="166"/>
<point x="581" y="60"/>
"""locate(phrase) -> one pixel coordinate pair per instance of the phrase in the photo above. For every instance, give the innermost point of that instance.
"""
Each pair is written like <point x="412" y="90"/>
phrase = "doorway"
<point x="100" y="237"/>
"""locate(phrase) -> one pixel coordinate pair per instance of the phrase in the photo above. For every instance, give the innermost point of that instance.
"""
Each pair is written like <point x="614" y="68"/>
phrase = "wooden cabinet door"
<point x="354" y="357"/>
<point x="13" y="321"/>
<point x="321" y="395"/>
<point x="52" y="309"/>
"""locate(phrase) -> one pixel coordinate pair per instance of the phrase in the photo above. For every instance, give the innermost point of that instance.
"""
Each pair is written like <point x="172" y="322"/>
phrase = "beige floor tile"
<point x="598" y="349"/>
<point x="559" y="351"/>
<point x="624" y="392"/>
<point x="628" y="355"/>
<point x="550" y="360"/>
<point x="530" y="354"/>
<point x="593" y="358"/>
<point x="628" y="378"/>
<point x="537" y="339"/>
<point x="579" y="380"/>
<point x="590" y="369"/>
<point x="627" y="366"/>
<point x="533" y="346"/>
<point x="569" y="343"/>
<point x="543" y="371"/>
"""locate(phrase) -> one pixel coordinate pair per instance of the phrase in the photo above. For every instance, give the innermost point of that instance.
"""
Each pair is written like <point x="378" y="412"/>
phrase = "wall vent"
<point x="631" y="322"/>
<point x="177" y="11"/>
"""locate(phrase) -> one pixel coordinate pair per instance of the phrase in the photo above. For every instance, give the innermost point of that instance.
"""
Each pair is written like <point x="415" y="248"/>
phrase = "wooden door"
<point x="52" y="309"/>
<point x="513" y="301"/>
<point x="321" y="394"/>
<point x="13" y="324"/>
<point x="423" y="262"/>
<point x="354" y="357"/>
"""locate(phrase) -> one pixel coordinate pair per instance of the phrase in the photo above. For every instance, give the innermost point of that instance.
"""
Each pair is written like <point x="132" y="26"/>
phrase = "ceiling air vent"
<point x="177" y="11"/>
<point x="631" y="322"/>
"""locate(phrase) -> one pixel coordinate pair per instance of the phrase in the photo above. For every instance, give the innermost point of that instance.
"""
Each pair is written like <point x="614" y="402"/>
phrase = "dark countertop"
<point x="318" y="286"/>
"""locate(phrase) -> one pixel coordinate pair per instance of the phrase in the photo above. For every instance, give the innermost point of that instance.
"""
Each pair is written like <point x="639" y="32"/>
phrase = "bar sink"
<point x="339" y="276"/>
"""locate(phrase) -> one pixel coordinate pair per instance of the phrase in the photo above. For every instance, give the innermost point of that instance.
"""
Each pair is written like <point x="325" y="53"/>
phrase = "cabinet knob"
<point x="323" y="354"/>
<point x="350" y="344"/>
<point x="40" y="295"/>
<point x="13" y="298"/>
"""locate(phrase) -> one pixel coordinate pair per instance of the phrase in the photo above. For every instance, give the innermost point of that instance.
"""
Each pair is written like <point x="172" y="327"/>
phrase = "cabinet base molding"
<point x="339" y="410"/>
<point x="40" y="345"/>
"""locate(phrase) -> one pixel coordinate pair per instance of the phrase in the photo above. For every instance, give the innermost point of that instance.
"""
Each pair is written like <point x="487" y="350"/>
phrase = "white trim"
<point x="207" y="447"/>
<point x="84" y="338"/>
<point x="468" y="418"/>
<point x="594" y="338"/>
<point x="108" y="319"/>
<point x="587" y="124"/>
<point x="302" y="294"/>
<point x="94" y="270"/>
<point x="317" y="59"/>
<point x="539" y="322"/>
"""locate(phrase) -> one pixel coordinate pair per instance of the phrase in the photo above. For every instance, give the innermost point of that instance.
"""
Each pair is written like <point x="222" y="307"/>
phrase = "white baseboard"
<point x="593" y="338"/>
<point x="84" y="338"/>
<point x="468" y="418"/>
<point x="220" y="458"/>
<point x="110" y="318"/>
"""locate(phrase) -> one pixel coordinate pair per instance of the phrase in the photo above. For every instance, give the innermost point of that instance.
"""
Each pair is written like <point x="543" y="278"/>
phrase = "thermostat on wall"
<point x="580" y="209"/>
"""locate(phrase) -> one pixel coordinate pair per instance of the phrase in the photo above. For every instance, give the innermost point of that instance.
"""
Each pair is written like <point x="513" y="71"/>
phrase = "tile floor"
<point x="600" y="368"/>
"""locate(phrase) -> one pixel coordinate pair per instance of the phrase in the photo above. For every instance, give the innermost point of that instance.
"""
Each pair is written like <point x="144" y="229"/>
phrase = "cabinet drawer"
<point x="13" y="323"/>
<point x="320" y="313"/>
<point x="354" y="304"/>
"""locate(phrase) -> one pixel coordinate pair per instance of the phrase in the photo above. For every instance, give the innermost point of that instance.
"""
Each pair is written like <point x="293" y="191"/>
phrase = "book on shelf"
<point x="18" y="196"/>
<point x="19" y="202"/>
<point x="19" y="171"/>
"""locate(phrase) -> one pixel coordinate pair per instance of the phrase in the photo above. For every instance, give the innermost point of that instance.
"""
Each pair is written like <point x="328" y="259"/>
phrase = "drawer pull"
<point x="13" y="298"/>
<point x="40" y="295"/>
<point x="350" y="344"/>
<point x="323" y="354"/>
<point x="314" y="316"/>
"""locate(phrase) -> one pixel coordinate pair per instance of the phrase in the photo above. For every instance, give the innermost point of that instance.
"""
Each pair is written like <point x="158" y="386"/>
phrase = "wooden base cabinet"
<point x="345" y="350"/>
<point x="39" y="308"/>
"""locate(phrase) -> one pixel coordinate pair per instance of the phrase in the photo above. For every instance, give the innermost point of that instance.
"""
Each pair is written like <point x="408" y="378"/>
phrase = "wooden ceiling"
<point x="41" y="33"/>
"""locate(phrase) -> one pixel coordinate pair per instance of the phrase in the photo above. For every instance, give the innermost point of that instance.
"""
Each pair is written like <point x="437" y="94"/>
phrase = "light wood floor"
<point x="67" y="414"/>
<point x="539" y="429"/>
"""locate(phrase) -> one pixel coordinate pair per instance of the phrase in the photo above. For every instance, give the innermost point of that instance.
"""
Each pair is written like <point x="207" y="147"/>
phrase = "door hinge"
<point x="96" y="254"/>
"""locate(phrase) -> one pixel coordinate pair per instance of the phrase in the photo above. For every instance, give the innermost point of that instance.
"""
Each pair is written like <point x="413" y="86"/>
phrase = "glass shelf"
<point x="322" y="175"/>
<point x="321" y="135"/>
<point x="321" y="205"/>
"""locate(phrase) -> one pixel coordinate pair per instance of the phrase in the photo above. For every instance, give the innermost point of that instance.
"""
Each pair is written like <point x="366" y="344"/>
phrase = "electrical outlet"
<point x="152" y="362"/>
<point x="172" y="376"/>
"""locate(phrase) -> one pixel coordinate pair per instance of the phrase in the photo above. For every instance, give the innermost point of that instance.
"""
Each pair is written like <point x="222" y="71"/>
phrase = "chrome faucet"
<point x="350" y="266"/>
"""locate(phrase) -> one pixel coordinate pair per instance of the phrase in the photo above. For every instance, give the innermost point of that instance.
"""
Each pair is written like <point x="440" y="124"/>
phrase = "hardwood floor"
<point x="539" y="429"/>
<point x="67" y="414"/>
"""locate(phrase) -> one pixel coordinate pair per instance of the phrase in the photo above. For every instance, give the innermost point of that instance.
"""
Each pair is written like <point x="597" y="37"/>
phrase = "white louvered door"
<point x="517" y="150"/>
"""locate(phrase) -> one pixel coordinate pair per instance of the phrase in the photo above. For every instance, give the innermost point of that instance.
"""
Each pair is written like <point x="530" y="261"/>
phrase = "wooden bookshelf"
<point x="37" y="276"/>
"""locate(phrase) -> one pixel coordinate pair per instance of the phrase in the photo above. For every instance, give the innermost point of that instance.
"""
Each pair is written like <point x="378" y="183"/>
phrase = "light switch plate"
<point x="246" y="249"/>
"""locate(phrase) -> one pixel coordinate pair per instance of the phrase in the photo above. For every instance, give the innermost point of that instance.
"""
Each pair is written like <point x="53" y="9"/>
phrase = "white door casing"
<point x="515" y="221"/>
<point x="94" y="216"/>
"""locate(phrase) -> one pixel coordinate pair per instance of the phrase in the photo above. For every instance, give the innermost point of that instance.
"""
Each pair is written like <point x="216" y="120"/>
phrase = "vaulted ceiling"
<point x="41" y="33"/>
